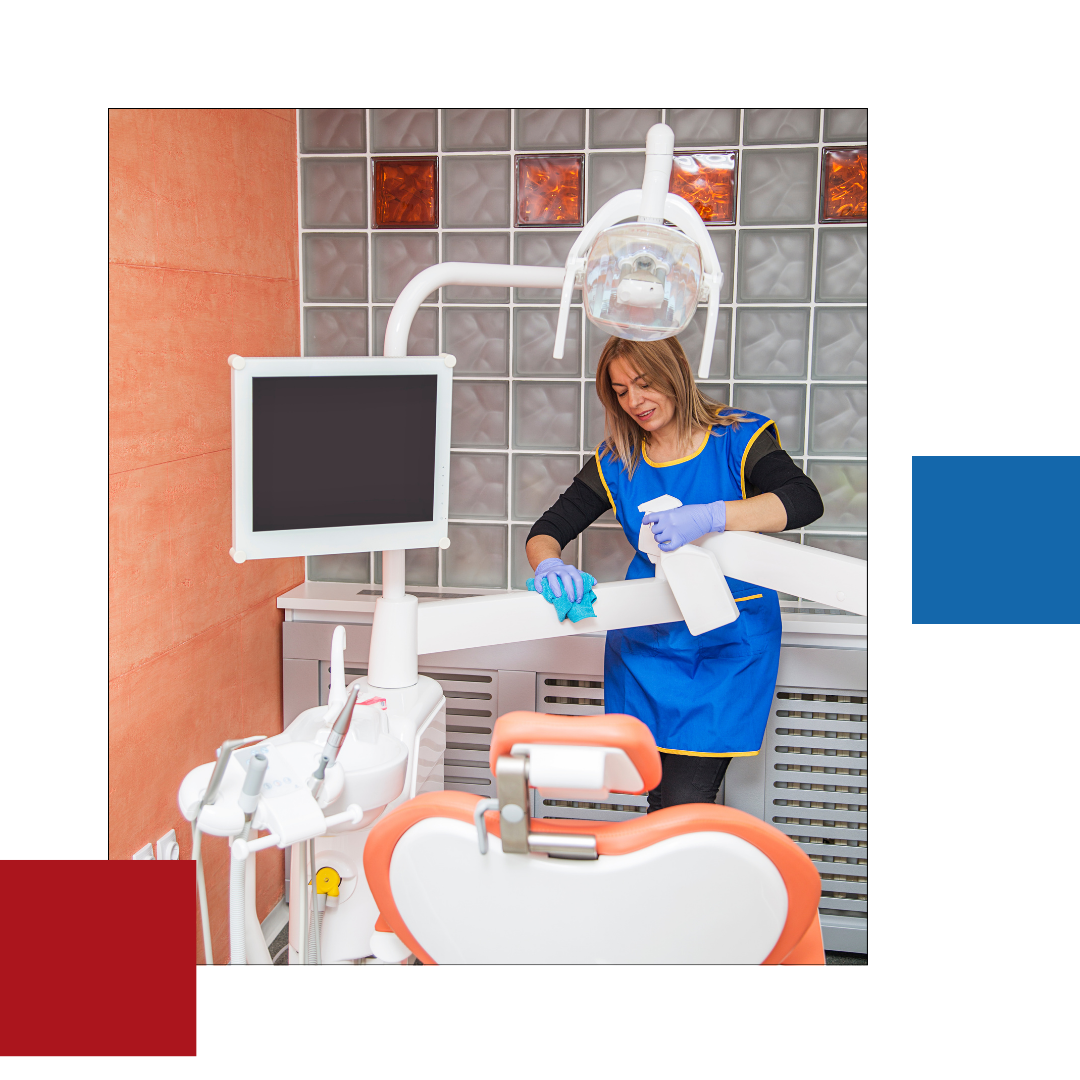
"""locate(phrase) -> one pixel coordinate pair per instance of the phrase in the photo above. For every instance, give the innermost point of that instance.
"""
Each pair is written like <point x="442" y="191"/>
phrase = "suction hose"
<point x="237" y="881"/>
<point x="200" y="889"/>
<point x="314" y="942"/>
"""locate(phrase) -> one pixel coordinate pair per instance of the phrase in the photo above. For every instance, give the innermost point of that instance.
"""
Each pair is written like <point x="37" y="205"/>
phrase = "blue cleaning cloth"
<point x="583" y="609"/>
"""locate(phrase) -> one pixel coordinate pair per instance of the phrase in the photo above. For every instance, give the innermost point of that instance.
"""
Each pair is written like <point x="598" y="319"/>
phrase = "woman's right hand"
<point x="560" y="576"/>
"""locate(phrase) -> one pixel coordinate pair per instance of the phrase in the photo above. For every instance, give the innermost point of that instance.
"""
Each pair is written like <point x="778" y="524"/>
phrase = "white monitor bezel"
<point x="248" y="544"/>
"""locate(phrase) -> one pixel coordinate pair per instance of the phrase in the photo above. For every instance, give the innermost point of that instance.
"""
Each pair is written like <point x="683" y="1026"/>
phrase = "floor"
<point x="280" y="952"/>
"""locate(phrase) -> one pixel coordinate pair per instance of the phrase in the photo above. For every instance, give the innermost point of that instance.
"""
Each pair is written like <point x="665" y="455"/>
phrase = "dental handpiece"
<point x="335" y="739"/>
<point x="249" y="797"/>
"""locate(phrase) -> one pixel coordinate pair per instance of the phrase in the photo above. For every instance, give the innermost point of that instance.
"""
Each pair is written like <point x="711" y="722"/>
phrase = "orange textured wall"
<point x="203" y="262"/>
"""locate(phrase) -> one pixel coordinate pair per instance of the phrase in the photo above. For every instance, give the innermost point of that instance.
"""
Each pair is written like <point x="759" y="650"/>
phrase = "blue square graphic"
<point x="995" y="540"/>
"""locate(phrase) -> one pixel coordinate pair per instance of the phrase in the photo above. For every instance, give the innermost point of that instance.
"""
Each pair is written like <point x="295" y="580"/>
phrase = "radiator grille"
<point x="816" y="789"/>
<point x="471" y="702"/>
<point x="572" y="695"/>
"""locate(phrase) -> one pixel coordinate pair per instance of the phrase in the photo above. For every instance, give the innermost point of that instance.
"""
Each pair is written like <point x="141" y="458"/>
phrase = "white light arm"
<point x="835" y="581"/>
<point x="459" y="273"/>
<point x="659" y="146"/>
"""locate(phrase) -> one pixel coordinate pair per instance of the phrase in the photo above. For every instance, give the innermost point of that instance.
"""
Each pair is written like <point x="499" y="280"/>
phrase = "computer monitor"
<point x="339" y="454"/>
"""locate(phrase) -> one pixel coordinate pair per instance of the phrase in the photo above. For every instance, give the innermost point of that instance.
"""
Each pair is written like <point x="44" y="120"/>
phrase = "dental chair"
<point x="459" y="879"/>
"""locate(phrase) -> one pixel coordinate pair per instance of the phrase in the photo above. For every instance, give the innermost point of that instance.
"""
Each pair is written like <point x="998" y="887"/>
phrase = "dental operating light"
<point x="644" y="280"/>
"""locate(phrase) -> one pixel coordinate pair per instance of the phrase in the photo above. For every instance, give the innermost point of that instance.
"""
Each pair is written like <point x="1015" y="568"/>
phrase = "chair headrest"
<point x="614" y="730"/>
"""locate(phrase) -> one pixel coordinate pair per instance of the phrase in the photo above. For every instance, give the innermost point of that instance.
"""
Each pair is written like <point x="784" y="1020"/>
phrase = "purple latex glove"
<point x="555" y="570"/>
<point x="673" y="528"/>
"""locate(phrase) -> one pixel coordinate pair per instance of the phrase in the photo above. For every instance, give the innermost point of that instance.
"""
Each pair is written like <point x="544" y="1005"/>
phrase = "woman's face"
<point x="651" y="409"/>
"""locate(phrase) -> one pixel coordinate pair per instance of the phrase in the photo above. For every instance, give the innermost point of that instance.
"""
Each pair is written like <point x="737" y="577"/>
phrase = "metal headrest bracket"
<point x="512" y="787"/>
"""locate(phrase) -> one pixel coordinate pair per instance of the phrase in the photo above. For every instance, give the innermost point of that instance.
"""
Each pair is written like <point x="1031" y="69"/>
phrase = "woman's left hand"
<point x="673" y="528"/>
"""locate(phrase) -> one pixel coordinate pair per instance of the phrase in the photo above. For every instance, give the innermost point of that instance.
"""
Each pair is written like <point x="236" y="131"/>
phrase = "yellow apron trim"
<point x="682" y="460"/>
<point x="604" y="482"/>
<point x="696" y="753"/>
<point x="742" y="467"/>
<point x="756" y="596"/>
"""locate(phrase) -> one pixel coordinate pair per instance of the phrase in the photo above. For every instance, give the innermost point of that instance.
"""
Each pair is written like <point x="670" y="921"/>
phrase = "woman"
<point x="706" y="698"/>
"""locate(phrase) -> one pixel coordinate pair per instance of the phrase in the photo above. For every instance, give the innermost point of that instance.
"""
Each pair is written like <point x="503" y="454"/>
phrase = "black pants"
<point x="687" y="779"/>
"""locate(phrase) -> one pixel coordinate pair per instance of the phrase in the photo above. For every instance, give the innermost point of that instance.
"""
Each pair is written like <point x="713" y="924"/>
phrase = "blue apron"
<point x="707" y="696"/>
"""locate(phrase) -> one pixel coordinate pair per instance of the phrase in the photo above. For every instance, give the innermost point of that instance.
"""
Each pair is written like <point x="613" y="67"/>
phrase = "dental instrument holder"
<point x="223" y="755"/>
<point x="652" y="203"/>
<point x="249" y="796"/>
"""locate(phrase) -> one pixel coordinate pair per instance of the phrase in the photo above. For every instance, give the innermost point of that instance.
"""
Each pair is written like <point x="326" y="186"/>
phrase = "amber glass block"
<point x="406" y="193"/>
<point x="707" y="182"/>
<point x="843" y="184"/>
<point x="549" y="190"/>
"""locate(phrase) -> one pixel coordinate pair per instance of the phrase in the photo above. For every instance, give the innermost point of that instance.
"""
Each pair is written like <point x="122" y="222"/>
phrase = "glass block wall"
<point x="385" y="193"/>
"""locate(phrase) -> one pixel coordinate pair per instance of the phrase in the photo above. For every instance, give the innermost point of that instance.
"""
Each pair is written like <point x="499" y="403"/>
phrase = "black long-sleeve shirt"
<point x="768" y="468"/>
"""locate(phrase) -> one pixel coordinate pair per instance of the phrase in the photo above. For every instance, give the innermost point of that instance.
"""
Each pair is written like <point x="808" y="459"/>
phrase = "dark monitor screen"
<point x="337" y="450"/>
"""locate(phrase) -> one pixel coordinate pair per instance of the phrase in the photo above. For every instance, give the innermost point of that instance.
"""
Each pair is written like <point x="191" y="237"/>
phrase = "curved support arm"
<point x="682" y="214"/>
<point x="705" y="361"/>
<point x="569" y="282"/>
<point x="459" y="273"/>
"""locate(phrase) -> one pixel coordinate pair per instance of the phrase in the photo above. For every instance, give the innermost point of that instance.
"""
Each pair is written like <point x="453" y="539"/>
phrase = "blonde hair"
<point x="665" y="369"/>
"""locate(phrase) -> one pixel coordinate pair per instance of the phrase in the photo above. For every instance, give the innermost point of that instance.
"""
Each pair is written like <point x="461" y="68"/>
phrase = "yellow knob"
<point x="327" y="881"/>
